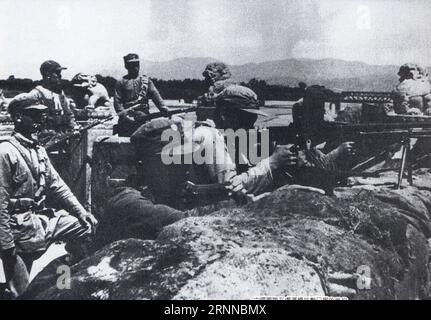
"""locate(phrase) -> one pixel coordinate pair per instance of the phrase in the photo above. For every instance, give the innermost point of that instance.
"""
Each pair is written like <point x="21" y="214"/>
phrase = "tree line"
<point x="187" y="89"/>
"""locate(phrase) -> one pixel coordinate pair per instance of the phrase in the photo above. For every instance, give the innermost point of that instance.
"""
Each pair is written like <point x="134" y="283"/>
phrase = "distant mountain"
<point x="178" y="69"/>
<point x="332" y="73"/>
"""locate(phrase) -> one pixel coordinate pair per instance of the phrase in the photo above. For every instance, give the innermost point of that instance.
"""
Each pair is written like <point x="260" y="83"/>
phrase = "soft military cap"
<point x="17" y="106"/>
<point x="50" y="66"/>
<point x="131" y="57"/>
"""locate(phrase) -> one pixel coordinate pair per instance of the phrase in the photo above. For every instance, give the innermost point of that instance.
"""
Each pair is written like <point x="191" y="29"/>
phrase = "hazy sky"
<point x="87" y="35"/>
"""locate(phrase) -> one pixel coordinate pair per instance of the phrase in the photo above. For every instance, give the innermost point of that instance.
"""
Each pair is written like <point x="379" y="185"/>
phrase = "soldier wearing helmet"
<point x="413" y="94"/>
<point x="226" y="162"/>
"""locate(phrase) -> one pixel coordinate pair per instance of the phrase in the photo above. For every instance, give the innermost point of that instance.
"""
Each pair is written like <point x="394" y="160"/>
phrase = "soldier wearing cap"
<point x="237" y="107"/>
<point x="27" y="178"/>
<point x="131" y="90"/>
<point x="219" y="174"/>
<point x="60" y="117"/>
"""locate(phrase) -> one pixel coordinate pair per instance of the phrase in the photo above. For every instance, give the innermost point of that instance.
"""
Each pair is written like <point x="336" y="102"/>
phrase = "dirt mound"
<point x="360" y="243"/>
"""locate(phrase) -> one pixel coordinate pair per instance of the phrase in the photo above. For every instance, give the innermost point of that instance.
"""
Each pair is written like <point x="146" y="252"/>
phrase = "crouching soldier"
<point x="27" y="178"/>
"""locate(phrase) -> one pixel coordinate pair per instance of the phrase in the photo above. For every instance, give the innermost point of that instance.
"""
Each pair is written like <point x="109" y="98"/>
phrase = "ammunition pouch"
<point x="28" y="228"/>
<point x="28" y="231"/>
<point x="21" y="205"/>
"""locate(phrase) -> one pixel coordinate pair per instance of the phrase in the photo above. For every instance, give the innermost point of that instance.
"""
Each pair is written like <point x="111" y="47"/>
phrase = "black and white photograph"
<point x="205" y="150"/>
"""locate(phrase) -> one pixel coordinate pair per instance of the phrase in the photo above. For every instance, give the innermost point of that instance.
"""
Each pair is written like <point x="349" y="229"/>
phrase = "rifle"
<point x="54" y="143"/>
<point x="135" y="125"/>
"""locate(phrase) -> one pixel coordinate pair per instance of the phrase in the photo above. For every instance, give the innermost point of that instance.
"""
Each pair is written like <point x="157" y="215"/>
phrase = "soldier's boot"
<point x="17" y="277"/>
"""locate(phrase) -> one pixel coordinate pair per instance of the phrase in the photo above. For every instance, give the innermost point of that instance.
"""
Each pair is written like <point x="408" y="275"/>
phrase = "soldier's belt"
<point x="19" y="205"/>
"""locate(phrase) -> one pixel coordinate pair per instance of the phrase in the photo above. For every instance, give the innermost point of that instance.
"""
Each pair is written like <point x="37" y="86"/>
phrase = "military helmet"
<point x="407" y="70"/>
<point x="217" y="71"/>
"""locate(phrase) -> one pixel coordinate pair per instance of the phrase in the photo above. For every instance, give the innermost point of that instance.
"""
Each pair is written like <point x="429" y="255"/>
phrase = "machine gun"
<point x="374" y="142"/>
<point x="404" y="136"/>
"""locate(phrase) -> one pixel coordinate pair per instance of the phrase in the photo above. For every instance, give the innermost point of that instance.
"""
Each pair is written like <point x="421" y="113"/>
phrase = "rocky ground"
<point x="365" y="242"/>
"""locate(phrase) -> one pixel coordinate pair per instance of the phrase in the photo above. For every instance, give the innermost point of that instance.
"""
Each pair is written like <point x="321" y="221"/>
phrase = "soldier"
<point x="50" y="93"/>
<point x="413" y="94"/>
<point x="27" y="178"/>
<point x="131" y="90"/>
<point x="237" y="107"/>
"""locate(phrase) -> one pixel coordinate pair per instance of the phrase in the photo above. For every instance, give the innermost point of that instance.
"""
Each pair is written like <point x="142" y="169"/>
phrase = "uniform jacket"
<point x="256" y="179"/>
<point x="128" y="90"/>
<point x="60" y="113"/>
<point x="17" y="181"/>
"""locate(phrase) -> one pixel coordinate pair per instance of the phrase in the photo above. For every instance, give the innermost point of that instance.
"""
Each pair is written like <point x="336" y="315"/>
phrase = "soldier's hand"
<point x="347" y="148"/>
<point x="127" y="118"/>
<point x="164" y="110"/>
<point x="76" y="131"/>
<point x="283" y="156"/>
<point x="236" y="189"/>
<point x="88" y="221"/>
<point x="140" y="116"/>
<point x="8" y="256"/>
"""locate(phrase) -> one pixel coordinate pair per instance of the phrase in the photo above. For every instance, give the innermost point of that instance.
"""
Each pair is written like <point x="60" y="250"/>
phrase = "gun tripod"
<point x="405" y="161"/>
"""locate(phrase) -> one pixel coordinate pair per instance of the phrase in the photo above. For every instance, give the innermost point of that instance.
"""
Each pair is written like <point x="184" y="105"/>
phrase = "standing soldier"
<point x="50" y="93"/>
<point x="131" y="90"/>
<point x="27" y="178"/>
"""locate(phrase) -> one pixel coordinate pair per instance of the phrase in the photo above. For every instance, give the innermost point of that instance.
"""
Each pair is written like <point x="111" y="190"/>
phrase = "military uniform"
<point x="138" y="90"/>
<point x="26" y="177"/>
<point x="131" y="214"/>
<point x="60" y="113"/>
<point x="128" y="90"/>
<point x="166" y="180"/>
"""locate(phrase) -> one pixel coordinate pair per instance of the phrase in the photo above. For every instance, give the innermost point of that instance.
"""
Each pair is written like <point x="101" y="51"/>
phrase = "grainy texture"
<point x="293" y="242"/>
